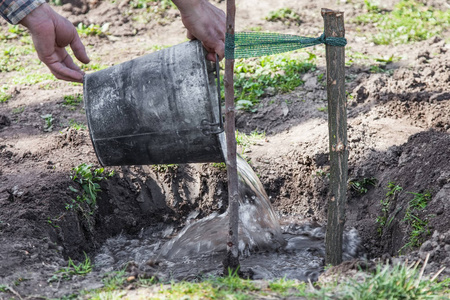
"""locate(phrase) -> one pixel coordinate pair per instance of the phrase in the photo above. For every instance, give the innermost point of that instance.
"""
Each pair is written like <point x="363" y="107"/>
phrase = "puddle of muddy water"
<point x="268" y="250"/>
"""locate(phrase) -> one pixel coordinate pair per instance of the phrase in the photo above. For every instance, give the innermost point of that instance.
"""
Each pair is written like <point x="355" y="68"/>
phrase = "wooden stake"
<point x="231" y="261"/>
<point x="337" y="128"/>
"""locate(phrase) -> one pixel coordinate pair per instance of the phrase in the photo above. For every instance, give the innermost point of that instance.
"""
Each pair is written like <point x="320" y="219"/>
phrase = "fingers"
<point x="78" y="48"/>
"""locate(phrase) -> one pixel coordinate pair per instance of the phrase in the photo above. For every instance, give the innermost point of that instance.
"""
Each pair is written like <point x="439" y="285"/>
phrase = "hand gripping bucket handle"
<point x="161" y="108"/>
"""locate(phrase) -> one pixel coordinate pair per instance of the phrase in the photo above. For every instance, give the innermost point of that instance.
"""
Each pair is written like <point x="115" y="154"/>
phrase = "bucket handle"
<point x="206" y="125"/>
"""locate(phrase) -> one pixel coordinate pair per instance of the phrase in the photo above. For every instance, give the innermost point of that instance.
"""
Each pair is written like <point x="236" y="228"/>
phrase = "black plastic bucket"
<point x="161" y="108"/>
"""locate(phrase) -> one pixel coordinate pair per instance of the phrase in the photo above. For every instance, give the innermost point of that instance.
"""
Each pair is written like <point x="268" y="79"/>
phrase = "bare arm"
<point x="51" y="33"/>
<point x="206" y="23"/>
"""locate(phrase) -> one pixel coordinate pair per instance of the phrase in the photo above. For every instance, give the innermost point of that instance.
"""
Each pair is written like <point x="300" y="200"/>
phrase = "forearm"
<point x="14" y="11"/>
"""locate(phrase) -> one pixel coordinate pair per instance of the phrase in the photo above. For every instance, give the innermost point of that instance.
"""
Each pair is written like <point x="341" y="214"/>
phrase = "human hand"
<point x="51" y="33"/>
<point x="206" y="23"/>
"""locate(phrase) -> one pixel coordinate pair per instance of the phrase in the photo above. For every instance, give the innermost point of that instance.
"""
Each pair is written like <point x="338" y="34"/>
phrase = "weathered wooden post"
<point x="231" y="261"/>
<point x="337" y="128"/>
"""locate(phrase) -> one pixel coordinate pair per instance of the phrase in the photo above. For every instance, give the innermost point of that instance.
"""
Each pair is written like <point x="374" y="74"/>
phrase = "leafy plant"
<point x="419" y="227"/>
<point x="48" y="118"/>
<point x="87" y="178"/>
<point x="285" y="15"/>
<point x="18" y="110"/>
<point x="361" y="186"/>
<point x="82" y="269"/>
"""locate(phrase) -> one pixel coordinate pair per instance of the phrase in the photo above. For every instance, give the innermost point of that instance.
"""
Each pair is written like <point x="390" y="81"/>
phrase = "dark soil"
<point x="398" y="132"/>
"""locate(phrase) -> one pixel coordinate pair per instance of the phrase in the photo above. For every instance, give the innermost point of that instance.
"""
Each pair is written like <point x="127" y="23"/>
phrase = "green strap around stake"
<point x="253" y="44"/>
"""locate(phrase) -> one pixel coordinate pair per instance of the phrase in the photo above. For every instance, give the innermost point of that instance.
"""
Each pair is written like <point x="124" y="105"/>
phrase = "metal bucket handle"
<point x="205" y="124"/>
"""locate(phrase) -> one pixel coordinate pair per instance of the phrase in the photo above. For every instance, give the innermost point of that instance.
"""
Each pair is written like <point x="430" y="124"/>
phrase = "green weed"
<point x="392" y="191"/>
<point x="285" y="287"/>
<point x="48" y="126"/>
<point x="409" y="21"/>
<point x="323" y="109"/>
<point x="82" y="269"/>
<point x="419" y="227"/>
<point x="361" y="186"/>
<point x="284" y="15"/>
<point x="281" y="72"/>
<point x="87" y="178"/>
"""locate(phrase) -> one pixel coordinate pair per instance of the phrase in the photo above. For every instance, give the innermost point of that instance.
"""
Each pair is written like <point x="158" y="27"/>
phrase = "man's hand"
<point x="51" y="33"/>
<point x="206" y="23"/>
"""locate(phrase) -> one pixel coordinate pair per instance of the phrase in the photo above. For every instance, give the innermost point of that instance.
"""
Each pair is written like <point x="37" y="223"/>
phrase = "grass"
<point x="281" y="73"/>
<point x="77" y="126"/>
<point x="285" y="15"/>
<point x="246" y="140"/>
<point x="392" y="191"/>
<point x="73" y="100"/>
<point x="419" y="227"/>
<point x="81" y="269"/>
<point x="399" y="281"/>
<point x="409" y="21"/>
<point x="32" y="78"/>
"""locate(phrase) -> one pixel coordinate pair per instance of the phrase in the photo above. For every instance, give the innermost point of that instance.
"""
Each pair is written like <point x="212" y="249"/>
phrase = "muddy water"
<point x="269" y="247"/>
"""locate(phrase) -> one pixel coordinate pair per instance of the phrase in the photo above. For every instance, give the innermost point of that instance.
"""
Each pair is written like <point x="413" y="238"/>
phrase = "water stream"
<point x="270" y="247"/>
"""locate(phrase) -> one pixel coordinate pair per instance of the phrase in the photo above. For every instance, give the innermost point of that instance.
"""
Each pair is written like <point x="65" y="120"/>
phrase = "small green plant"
<point x="246" y="140"/>
<point x="32" y="78"/>
<point x="361" y="186"/>
<point x="87" y="178"/>
<point x="77" y="126"/>
<point x="220" y="166"/>
<point x="323" y="109"/>
<point x="392" y="191"/>
<point x="82" y="269"/>
<point x="51" y="222"/>
<point x="4" y="95"/>
<point x="159" y="4"/>
<point x="4" y="288"/>
<point x="284" y="15"/>
<point x="73" y="100"/>
<point x="163" y="168"/>
<point x="93" y="29"/>
<point x="18" y="110"/>
<point x="48" y="118"/>
<point x="419" y="227"/>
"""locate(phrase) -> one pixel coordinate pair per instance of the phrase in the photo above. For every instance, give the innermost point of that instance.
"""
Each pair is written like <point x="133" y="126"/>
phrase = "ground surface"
<point x="399" y="132"/>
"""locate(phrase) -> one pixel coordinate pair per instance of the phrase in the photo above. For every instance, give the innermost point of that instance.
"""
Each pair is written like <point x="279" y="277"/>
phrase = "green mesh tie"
<point x="253" y="44"/>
